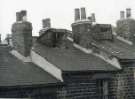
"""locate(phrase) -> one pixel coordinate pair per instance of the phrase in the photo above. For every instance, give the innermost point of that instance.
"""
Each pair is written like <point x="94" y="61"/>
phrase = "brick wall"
<point x="79" y="87"/>
<point x="122" y="85"/>
<point x="38" y="92"/>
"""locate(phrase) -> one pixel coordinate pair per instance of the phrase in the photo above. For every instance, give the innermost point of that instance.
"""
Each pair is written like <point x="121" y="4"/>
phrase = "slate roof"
<point x="14" y="72"/>
<point x="117" y="48"/>
<point x="72" y="59"/>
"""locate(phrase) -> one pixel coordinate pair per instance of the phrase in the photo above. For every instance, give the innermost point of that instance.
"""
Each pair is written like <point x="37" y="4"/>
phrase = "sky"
<point x="61" y="12"/>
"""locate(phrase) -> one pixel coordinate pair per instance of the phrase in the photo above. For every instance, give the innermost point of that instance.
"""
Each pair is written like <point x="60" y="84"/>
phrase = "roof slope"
<point x="72" y="59"/>
<point x="117" y="48"/>
<point x="14" y="72"/>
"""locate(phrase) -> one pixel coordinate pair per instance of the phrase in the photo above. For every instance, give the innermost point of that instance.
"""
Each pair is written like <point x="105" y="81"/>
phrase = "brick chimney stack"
<point x="46" y="23"/>
<point x="122" y="15"/>
<point x="22" y="34"/>
<point x="83" y="14"/>
<point x="81" y="29"/>
<point x="77" y="14"/>
<point x="128" y="12"/>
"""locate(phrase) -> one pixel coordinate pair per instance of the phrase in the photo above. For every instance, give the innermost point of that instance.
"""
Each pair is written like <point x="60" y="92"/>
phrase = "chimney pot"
<point x="83" y="13"/>
<point x="122" y="15"/>
<point x="18" y="16"/>
<point x="46" y="23"/>
<point x="93" y="17"/>
<point x="90" y="18"/>
<point x="128" y="12"/>
<point x="77" y="14"/>
<point x="24" y="15"/>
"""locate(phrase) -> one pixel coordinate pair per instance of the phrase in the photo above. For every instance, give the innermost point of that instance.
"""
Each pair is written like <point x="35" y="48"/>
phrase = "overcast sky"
<point x="61" y="12"/>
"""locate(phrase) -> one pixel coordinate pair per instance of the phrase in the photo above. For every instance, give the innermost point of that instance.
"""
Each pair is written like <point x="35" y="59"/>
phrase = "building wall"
<point x="38" y="92"/>
<point x="80" y="86"/>
<point x="122" y="85"/>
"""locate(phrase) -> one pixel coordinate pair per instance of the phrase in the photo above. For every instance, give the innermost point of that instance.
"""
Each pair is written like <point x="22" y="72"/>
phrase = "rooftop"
<point x="14" y="72"/>
<point x="72" y="59"/>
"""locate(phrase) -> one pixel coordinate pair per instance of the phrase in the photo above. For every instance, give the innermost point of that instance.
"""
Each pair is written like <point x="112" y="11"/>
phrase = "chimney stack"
<point x="122" y="15"/>
<point x="22" y="34"/>
<point x="18" y="16"/>
<point x="93" y="17"/>
<point x="83" y="13"/>
<point x="46" y="23"/>
<point x="77" y="14"/>
<point x="128" y="12"/>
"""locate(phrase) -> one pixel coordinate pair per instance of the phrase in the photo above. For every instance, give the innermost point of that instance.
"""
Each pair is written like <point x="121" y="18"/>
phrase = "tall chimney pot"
<point x="18" y="16"/>
<point x="128" y="12"/>
<point x="46" y="23"/>
<point x="90" y="18"/>
<point x="77" y="14"/>
<point x="24" y="15"/>
<point x="122" y="15"/>
<point x="93" y="17"/>
<point x="83" y="13"/>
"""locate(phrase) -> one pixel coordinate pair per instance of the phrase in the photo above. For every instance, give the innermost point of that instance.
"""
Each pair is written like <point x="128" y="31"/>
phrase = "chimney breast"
<point x="128" y="12"/>
<point x="46" y="23"/>
<point x="83" y="14"/>
<point x="122" y="15"/>
<point x="77" y="14"/>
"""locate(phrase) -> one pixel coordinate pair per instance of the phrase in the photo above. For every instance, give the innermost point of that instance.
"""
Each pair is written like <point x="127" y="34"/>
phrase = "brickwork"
<point x="82" y="33"/>
<point x="126" y="29"/>
<point x="30" y="92"/>
<point x="122" y="84"/>
<point x="22" y="37"/>
<point x="79" y="87"/>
